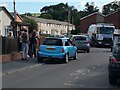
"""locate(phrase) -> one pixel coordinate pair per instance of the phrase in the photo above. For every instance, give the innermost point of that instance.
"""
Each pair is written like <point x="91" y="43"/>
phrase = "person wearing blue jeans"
<point x="25" y="41"/>
<point x="24" y="51"/>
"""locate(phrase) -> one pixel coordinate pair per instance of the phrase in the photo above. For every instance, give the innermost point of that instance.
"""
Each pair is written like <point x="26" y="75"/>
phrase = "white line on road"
<point x="75" y="78"/>
<point x="83" y="74"/>
<point x="18" y="70"/>
<point x="93" y="67"/>
<point x="67" y="84"/>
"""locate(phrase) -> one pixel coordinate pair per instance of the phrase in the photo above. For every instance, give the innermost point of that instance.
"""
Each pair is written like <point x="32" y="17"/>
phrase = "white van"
<point x="101" y="34"/>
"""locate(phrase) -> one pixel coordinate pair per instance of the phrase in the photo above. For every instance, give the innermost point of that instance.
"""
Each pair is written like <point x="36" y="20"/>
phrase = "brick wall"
<point x="90" y="19"/>
<point x="114" y="18"/>
<point x="14" y="55"/>
<point x="86" y="22"/>
<point x="10" y="57"/>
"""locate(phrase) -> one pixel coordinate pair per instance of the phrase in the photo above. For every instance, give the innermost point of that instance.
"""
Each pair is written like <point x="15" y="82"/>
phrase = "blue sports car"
<point x="57" y="48"/>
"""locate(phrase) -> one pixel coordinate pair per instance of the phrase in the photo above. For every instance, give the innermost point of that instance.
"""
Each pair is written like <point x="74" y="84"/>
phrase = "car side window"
<point x="67" y="43"/>
<point x="70" y="43"/>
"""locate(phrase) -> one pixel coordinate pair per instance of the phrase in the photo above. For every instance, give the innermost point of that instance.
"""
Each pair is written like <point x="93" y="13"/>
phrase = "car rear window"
<point x="53" y="42"/>
<point x="80" y="38"/>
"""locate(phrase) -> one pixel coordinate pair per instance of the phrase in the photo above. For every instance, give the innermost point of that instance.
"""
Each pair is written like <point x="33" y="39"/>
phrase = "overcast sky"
<point x="34" y="6"/>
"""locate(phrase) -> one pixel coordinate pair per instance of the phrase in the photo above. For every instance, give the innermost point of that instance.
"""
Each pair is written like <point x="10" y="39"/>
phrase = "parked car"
<point x="114" y="64"/>
<point x="57" y="49"/>
<point x="81" y="42"/>
<point x="89" y="39"/>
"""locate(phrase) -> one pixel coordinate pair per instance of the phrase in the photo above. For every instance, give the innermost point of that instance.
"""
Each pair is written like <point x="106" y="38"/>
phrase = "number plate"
<point x="50" y="48"/>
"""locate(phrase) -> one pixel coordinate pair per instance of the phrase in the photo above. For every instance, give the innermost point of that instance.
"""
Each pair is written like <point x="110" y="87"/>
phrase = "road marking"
<point x="93" y="67"/>
<point x="67" y="84"/>
<point x="88" y="71"/>
<point x="83" y="74"/>
<point x="98" y="65"/>
<point x="78" y="72"/>
<point x="75" y="78"/>
<point x="18" y="70"/>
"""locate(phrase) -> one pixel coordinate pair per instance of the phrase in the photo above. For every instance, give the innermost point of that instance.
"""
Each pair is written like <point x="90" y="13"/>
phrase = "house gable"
<point x="5" y="21"/>
<point x="93" y="18"/>
<point x="6" y="11"/>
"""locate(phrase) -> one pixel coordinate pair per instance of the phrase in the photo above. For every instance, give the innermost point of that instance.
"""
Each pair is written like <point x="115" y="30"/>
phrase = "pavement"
<point x="18" y="65"/>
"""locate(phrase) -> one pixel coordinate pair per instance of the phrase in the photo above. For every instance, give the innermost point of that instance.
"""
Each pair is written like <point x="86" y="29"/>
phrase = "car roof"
<point x="58" y="38"/>
<point x="79" y="35"/>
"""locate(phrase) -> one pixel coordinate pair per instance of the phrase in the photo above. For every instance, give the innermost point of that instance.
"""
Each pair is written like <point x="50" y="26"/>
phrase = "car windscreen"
<point x="106" y="30"/>
<point x="53" y="42"/>
<point x="80" y="38"/>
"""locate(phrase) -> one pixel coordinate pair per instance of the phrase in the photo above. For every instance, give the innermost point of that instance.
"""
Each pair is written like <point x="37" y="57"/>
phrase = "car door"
<point x="70" y="48"/>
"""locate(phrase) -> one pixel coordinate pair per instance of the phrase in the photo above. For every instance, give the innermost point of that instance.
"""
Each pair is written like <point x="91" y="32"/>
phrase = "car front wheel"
<point x="75" y="56"/>
<point x="88" y="51"/>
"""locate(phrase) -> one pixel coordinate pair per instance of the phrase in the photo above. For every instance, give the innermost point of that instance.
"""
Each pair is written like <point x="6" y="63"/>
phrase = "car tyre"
<point x="75" y="56"/>
<point x="39" y="59"/>
<point x="112" y="80"/>
<point x="88" y="51"/>
<point x="66" y="59"/>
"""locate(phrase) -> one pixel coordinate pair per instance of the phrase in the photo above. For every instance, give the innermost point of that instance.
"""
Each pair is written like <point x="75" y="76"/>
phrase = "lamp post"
<point x="15" y="27"/>
<point x="14" y="10"/>
<point x="69" y="15"/>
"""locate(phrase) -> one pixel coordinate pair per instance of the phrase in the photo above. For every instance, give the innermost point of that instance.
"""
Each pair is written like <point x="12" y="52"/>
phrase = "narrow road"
<point x="89" y="71"/>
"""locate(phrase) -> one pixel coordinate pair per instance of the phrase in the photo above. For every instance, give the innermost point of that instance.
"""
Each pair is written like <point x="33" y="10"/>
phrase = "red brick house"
<point x="114" y="18"/>
<point x="93" y="18"/>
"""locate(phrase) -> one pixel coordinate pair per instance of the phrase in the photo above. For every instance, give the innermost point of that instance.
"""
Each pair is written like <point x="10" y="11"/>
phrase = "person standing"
<point x="10" y="36"/>
<point x="25" y="41"/>
<point x="33" y="44"/>
<point x="20" y="41"/>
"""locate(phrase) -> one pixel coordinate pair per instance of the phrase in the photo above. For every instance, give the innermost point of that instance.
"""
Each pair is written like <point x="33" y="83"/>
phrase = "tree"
<point x="46" y="16"/>
<point x="90" y="8"/>
<point x="33" y="24"/>
<point x="60" y="12"/>
<point x="111" y="7"/>
<point x="57" y="12"/>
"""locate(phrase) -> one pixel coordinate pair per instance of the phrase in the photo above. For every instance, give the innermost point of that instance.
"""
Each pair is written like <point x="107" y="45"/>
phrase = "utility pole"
<point x="68" y="22"/>
<point x="14" y="25"/>
<point x="72" y="21"/>
<point x="14" y="10"/>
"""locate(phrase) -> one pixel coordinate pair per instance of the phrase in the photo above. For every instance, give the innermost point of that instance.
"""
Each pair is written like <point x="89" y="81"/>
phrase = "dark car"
<point x="114" y="65"/>
<point x="81" y="42"/>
